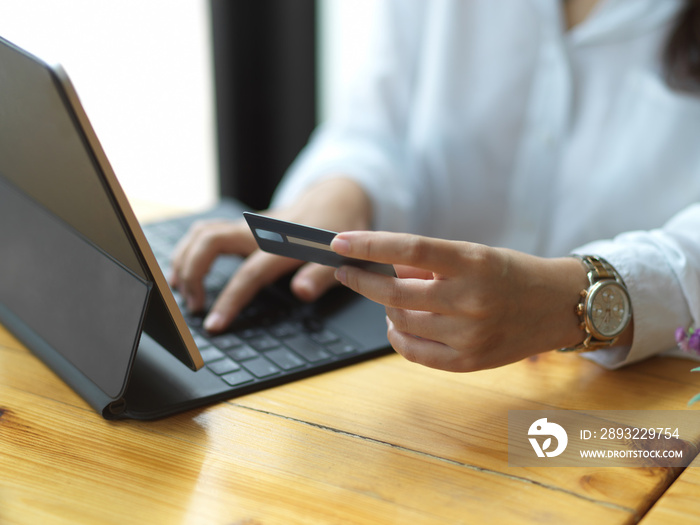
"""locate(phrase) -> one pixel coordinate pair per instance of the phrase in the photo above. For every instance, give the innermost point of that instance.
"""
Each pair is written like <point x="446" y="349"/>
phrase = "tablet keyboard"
<point x="275" y="335"/>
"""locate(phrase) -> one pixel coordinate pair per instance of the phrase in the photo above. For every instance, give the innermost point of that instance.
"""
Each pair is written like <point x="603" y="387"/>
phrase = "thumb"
<point x="313" y="280"/>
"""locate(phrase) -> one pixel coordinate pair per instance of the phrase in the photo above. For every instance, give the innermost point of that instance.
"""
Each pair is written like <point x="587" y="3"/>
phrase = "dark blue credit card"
<point x="304" y="243"/>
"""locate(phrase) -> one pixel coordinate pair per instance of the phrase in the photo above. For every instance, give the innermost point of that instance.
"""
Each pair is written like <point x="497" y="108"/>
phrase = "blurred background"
<point x="194" y="99"/>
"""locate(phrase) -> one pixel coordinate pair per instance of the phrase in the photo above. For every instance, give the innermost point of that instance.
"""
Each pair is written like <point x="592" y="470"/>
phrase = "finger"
<point x="435" y="255"/>
<point x="256" y="272"/>
<point x="195" y="253"/>
<point x="409" y="294"/>
<point x="312" y="281"/>
<point x="183" y="246"/>
<point x="427" y="325"/>
<point x="189" y="271"/>
<point x="423" y="351"/>
<point x="179" y="253"/>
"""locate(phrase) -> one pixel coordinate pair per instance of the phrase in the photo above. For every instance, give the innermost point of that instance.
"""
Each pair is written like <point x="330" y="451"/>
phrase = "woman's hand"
<point x="461" y="306"/>
<point x="335" y="204"/>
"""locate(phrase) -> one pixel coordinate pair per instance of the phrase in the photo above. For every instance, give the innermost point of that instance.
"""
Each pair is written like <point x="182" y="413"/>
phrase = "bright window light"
<point x="143" y="70"/>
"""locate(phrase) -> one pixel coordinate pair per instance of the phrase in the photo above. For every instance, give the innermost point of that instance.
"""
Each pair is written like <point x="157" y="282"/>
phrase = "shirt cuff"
<point x="658" y="304"/>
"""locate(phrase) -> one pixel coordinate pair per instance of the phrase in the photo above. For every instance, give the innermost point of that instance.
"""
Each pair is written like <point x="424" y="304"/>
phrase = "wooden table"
<point x="680" y="503"/>
<point x="384" y="441"/>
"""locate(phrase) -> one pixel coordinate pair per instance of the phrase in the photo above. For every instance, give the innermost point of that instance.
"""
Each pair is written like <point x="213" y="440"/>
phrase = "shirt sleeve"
<point x="365" y="141"/>
<point x="661" y="269"/>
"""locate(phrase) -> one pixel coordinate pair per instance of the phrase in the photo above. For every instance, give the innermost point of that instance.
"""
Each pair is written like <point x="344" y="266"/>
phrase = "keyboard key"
<point x="223" y="366"/>
<point x="261" y="367"/>
<point x="193" y="321"/>
<point x="285" y="329"/>
<point x="167" y="230"/>
<point x="307" y="348"/>
<point x="324" y="337"/>
<point x="285" y="358"/>
<point x="226" y="341"/>
<point x="341" y="348"/>
<point x="264" y="342"/>
<point x="312" y="324"/>
<point x="242" y="353"/>
<point x="211" y="354"/>
<point x="237" y="378"/>
<point x="249" y="333"/>
<point x="200" y="341"/>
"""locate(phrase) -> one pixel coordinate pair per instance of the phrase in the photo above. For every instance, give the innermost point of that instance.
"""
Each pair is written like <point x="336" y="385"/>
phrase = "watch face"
<point x="608" y="309"/>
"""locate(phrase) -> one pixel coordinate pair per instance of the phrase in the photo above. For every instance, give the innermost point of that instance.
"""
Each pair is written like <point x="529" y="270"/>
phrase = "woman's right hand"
<point x="337" y="204"/>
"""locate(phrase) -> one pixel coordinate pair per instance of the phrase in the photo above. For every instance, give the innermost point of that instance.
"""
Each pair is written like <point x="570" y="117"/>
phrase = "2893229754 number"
<point x="639" y="433"/>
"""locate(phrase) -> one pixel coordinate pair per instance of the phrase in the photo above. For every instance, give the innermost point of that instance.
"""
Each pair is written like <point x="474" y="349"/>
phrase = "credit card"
<point x="304" y="243"/>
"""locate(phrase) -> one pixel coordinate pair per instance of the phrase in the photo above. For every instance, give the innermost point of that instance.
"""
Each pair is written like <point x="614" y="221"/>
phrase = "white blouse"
<point x="488" y="121"/>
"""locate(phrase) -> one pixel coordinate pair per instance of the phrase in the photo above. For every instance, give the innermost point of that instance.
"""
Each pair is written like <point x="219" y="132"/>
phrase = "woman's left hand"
<point x="461" y="306"/>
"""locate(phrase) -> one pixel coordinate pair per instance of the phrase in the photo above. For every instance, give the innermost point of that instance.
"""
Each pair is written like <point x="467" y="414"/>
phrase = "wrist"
<point x="337" y="203"/>
<point x="572" y="279"/>
<point x="344" y="193"/>
<point x="548" y="292"/>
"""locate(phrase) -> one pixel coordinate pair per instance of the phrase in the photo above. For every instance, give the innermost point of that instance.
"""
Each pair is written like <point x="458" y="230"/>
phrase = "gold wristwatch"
<point x="604" y="309"/>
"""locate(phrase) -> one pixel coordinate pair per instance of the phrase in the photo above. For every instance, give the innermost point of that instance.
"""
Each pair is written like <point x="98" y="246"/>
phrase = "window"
<point x="143" y="72"/>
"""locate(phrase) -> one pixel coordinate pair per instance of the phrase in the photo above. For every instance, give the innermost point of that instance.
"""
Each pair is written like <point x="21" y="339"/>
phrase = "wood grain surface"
<point x="384" y="441"/>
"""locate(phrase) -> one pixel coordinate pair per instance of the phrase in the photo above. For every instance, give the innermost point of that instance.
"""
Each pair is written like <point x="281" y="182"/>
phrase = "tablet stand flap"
<point x="74" y="305"/>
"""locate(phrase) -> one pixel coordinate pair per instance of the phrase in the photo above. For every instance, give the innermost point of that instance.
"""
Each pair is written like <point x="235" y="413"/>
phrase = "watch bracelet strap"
<point x="597" y="269"/>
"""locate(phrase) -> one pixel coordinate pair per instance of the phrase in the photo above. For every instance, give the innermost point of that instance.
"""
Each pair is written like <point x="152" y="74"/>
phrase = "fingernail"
<point x="214" y="322"/>
<point x="341" y="275"/>
<point x="340" y="246"/>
